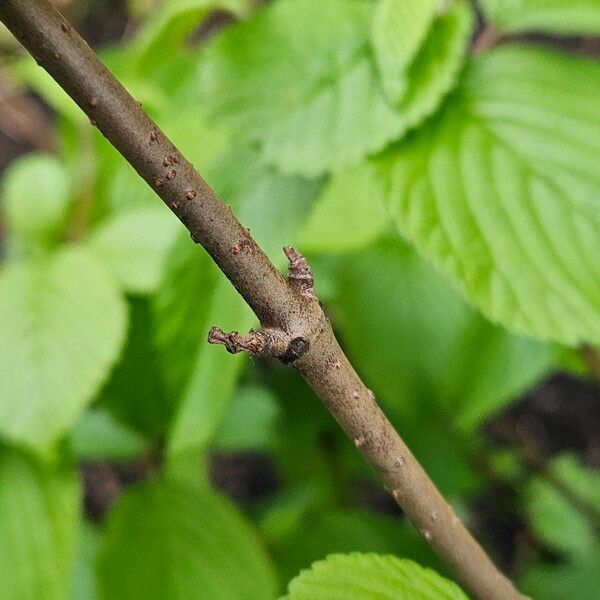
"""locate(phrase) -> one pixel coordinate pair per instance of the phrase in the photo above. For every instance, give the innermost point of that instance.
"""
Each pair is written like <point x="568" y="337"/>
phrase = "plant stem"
<point x="295" y="328"/>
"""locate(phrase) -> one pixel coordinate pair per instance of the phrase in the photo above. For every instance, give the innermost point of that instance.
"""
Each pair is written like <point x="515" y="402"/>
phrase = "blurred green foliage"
<point x="364" y="133"/>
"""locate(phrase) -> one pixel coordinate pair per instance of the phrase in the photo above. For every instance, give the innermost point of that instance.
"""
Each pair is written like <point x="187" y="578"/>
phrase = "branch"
<point x="294" y="327"/>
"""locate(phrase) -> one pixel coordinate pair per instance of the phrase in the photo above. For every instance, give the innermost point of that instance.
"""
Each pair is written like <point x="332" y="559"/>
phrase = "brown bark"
<point x="294" y="326"/>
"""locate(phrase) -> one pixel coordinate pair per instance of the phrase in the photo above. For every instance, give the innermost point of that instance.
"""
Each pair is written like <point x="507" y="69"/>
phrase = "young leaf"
<point x="35" y="215"/>
<point x="134" y="245"/>
<point x="556" y="16"/>
<point x="305" y="84"/>
<point x="501" y="192"/>
<point x="39" y="522"/>
<point x="371" y="577"/>
<point x="399" y="28"/>
<point x="166" y="541"/>
<point x="61" y="328"/>
<point x="434" y="71"/>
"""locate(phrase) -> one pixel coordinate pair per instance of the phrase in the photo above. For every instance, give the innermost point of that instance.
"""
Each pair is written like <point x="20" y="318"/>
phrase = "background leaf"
<point x="134" y="244"/>
<point x="213" y="378"/>
<point x="39" y="522"/>
<point x="164" y="33"/>
<point x="84" y="586"/>
<point x="371" y="577"/>
<point x="136" y="393"/>
<point x="558" y="582"/>
<point x="554" y="518"/>
<point x="164" y="541"/>
<point x="61" y="328"/>
<point x="341" y="218"/>
<point x="97" y="436"/>
<point x="250" y="421"/>
<point x="30" y="214"/>
<point x="557" y="16"/>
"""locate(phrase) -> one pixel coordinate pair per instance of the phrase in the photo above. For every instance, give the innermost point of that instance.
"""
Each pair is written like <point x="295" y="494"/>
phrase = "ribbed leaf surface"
<point x="371" y="577"/>
<point x="502" y="192"/>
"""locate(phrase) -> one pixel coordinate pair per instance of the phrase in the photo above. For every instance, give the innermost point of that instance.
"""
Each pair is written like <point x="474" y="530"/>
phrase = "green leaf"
<point x="134" y="245"/>
<point x="501" y="192"/>
<point x="399" y="29"/>
<point x="583" y="481"/>
<point x="180" y="310"/>
<point x="35" y="214"/>
<point x="97" y="436"/>
<point x="84" y="585"/>
<point x="249" y="422"/>
<point x="213" y="378"/>
<point x="554" y="518"/>
<point x="39" y="522"/>
<point x="435" y="69"/>
<point x="136" y="393"/>
<point x="556" y="521"/>
<point x="304" y="82"/>
<point x="340" y="531"/>
<point x="193" y="297"/>
<point x="371" y="577"/>
<point x="556" y="16"/>
<point x="61" y="328"/>
<point x="580" y="580"/>
<point x="165" y="33"/>
<point x="345" y="217"/>
<point x="165" y="541"/>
